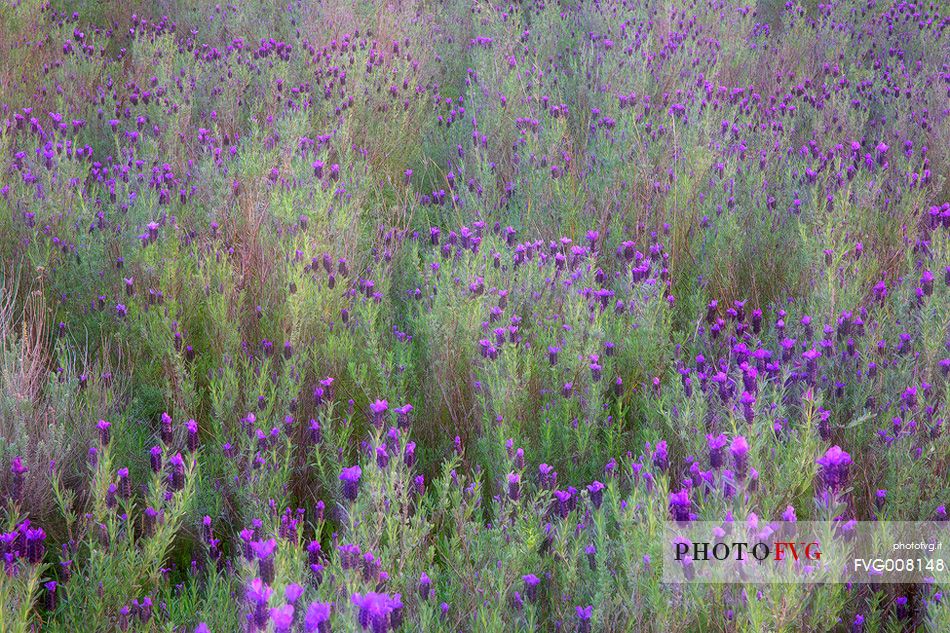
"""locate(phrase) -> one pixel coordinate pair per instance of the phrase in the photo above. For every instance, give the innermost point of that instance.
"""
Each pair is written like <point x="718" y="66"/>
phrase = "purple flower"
<point x="283" y="618"/>
<point x="548" y="476"/>
<point x="514" y="486"/>
<point x="425" y="586"/>
<point x="661" y="459"/>
<point x="125" y="485"/>
<point x="258" y="594"/>
<point x="176" y="478"/>
<point x="376" y="610"/>
<point x="155" y="458"/>
<point x="264" y="552"/>
<point x="834" y="468"/>
<point x="378" y="411"/>
<point x="680" y="506"/>
<point x="35" y="548"/>
<point x="740" y="455"/>
<point x="351" y="482"/>
<point x="716" y="444"/>
<point x="192" y="427"/>
<point x="402" y="416"/>
<point x="50" y="587"/>
<point x="104" y="435"/>
<point x="858" y="625"/>
<point x="531" y="583"/>
<point x="591" y="551"/>
<point x="583" y="618"/>
<point x="382" y="456"/>
<point x="18" y="470"/>
<point x="747" y="400"/>
<point x="317" y="619"/>
<point x="596" y="492"/>
<point x="879" y="497"/>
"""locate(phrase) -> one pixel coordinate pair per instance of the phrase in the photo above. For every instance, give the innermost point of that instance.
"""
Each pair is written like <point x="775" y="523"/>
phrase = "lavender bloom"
<point x="155" y="458"/>
<point x="425" y="587"/>
<point x="716" y="444"/>
<point x="166" y="429"/>
<point x="378" y="411"/>
<point x="583" y="618"/>
<point x="104" y="434"/>
<point x="50" y="587"/>
<point x="264" y="552"/>
<point x="18" y="470"/>
<point x="176" y="478"/>
<point x="258" y="595"/>
<point x="192" y="427"/>
<point x="35" y="548"/>
<point x="402" y="416"/>
<point x="531" y="583"/>
<point x="596" y="492"/>
<point x="834" y="468"/>
<point x="740" y="455"/>
<point x="317" y="619"/>
<point x="747" y="400"/>
<point x="125" y="486"/>
<point x="351" y="480"/>
<point x="591" y="551"/>
<point x="382" y="456"/>
<point x="376" y="610"/>
<point x="680" y="506"/>
<point x="879" y="497"/>
<point x="661" y="459"/>
<point x="514" y="486"/>
<point x="564" y="499"/>
<point x="283" y="618"/>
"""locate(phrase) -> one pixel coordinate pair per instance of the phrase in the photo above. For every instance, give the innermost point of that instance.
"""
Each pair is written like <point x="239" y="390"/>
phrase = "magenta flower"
<point x="283" y="618"/>
<point x="258" y="595"/>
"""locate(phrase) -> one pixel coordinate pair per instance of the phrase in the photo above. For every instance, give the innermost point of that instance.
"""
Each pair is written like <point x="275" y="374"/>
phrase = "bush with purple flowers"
<point x="412" y="316"/>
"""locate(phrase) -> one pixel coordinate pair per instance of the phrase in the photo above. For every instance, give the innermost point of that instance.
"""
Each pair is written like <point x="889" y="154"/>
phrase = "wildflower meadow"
<point x="428" y="315"/>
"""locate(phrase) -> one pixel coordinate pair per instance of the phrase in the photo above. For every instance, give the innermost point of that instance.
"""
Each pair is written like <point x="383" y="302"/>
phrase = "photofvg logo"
<point x="752" y="551"/>
<point x="742" y="550"/>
